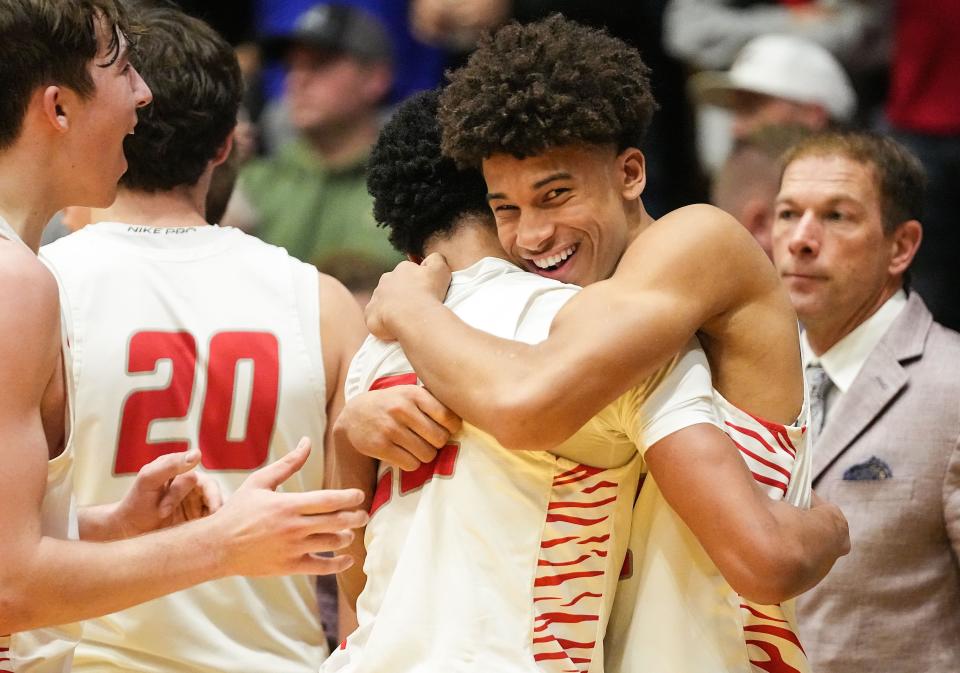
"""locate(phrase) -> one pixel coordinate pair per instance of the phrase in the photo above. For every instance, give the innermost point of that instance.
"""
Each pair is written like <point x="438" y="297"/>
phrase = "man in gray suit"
<point x="885" y="402"/>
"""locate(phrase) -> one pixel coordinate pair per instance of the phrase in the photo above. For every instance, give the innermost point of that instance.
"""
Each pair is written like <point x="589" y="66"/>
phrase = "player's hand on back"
<point x="262" y="532"/>
<point x="404" y="291"/>
<point x="403" y="426"/>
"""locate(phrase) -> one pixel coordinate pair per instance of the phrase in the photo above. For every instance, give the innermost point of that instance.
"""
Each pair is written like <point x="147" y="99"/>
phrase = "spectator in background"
<point x="747" y="183"/>
<point x="709" y="33"/>
<point x="311" y="198"/>
<point x="885" y="407"/>
<point x="924" y="112"/>
<point x="780" y="79"/>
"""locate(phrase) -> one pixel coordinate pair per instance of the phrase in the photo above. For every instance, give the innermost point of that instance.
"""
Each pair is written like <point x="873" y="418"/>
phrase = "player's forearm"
<point x="482" y="378"/>
<point x="98" y="523"/>
<point x="536" y="396"/>
<point x="807" y="544"/>
<point x="350" y="469"/>
<point x="66" y="581"/>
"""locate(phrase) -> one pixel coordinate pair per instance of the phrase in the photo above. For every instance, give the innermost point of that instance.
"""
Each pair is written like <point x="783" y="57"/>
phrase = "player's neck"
<point x="28" y="196"/>
<point x="181" y="207"/>
<point x="472" y="239"/>
<point x="638" y="220"/>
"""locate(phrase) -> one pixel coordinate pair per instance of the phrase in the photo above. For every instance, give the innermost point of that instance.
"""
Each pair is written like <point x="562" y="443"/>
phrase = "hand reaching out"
<point x="260" y="532"/>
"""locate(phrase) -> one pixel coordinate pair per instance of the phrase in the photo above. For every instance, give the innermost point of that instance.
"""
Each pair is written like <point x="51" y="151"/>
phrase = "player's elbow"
<point x="16" y="607"/>
<point x="522" y="419"/>
<point x="770" y="571"/>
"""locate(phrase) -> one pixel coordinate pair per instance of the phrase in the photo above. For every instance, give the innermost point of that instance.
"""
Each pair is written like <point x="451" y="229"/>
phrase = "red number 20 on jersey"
<point x="172" y="402"/>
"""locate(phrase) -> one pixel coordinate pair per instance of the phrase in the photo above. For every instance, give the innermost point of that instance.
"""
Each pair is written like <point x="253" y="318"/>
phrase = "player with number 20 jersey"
<point x="194" y="337"/>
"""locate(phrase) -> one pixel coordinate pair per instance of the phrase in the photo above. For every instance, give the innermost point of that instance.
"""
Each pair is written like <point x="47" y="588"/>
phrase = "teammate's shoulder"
<point x="692" y="238"/>
<point x="30" y="290"/>
<point x="699" y="224"/>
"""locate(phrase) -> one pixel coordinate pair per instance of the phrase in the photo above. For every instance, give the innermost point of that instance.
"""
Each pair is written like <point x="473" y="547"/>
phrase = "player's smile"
<point x="551" y="262"/>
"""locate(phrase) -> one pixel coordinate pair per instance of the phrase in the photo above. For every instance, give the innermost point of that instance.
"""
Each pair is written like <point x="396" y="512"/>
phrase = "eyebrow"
<point x="562" y="175"/>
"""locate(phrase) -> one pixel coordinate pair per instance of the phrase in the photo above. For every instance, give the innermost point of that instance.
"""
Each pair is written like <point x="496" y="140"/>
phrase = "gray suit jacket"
<point x="893" y="604"/>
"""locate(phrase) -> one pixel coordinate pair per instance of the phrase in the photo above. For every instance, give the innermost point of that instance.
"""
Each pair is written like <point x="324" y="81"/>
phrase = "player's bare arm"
<point x="45" y="581"/>
<point x="341" y="332"/>
<point x="768" y="550"/>
<point x="694" y="270"/>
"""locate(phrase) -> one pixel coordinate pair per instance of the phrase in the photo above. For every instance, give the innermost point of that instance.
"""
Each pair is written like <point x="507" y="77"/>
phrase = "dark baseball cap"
<point x="338" y="28"/>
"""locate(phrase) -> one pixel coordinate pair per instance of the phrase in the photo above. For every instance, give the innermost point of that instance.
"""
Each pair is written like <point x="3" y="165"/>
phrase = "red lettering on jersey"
<point x="384" y="490"/>
<point x="441" y="466"/>
<point x="226" y="350"/>
<point x="141" y="408"/>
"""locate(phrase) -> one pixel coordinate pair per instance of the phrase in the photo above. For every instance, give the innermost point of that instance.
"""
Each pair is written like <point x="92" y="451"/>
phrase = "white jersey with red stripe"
<point x="674" y="611"/>
<point x="488" y="559"/>
<point x="48" y="650"/>
<point x="194" y="337"/>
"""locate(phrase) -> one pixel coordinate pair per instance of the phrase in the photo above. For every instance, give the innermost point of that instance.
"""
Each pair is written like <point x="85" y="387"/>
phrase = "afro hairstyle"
<point x="529" y="88"/>
<point x="416" y="191"/>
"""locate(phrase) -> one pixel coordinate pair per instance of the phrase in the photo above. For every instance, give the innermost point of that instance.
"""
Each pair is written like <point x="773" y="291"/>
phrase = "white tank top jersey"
<point x="48" y="650"/>
<point x="674" y="610"/>
<point x="488" y="559"/>
<point x="194" y="337"/>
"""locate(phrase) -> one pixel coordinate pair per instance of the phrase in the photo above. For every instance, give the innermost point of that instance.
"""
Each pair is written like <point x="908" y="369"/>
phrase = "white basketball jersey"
<point x="674" y="610"/>
<point x="194" y="337"/>
<point x="48" y="650"/>
<point x="488" y="559"/>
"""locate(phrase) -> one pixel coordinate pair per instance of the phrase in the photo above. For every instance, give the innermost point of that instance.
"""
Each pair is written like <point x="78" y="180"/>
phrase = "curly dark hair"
<point x="416" y="191"/>
<point x="555" y="82"/>
<point x="197" y="88"/>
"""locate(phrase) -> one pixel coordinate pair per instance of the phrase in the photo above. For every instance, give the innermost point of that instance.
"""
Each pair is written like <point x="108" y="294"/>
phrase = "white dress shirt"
<point x="846" y="358"/>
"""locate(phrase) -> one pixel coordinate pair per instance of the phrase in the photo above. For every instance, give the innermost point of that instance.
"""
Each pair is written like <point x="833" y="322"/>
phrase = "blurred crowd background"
<point x="737" y="82"/>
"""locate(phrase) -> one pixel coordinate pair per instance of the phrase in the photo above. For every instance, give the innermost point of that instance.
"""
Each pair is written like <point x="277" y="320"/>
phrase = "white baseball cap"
<point x="782" y="66"/>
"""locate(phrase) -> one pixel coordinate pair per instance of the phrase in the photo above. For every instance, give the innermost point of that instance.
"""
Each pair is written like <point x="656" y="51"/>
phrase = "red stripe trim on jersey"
<point x="770" y="482"/>
<point x="553" y="518"/>
<point x="764" y="461"/>
<point x="597" y="503"/>
<point x="556" y="564"/>
<point x="757" y="613"/>
<point x="577" y="474"/>
<point x="395" y="380"/>
<point x="554" y="580"/>
<point x="546" y="544"/>
<point x="779" y="431"/>
<point x="754" y="434"/>
<point x="775" y="664"/>
<point x="585" y="594"/>
<point x="599" y="485"/>
<point x="563" y="618"/>
<point x="595" y="538"/>
<point x="777" y="631"/>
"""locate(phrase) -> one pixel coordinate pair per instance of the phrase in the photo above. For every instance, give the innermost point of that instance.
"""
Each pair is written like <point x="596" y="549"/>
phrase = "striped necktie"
<point x="819" y="385"/>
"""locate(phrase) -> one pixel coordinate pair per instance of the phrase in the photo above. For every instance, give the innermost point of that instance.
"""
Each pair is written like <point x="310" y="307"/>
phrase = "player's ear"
<point x="633" y="172"/>
<point x="53" y="108"/>
<point x="224" y="151"/>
